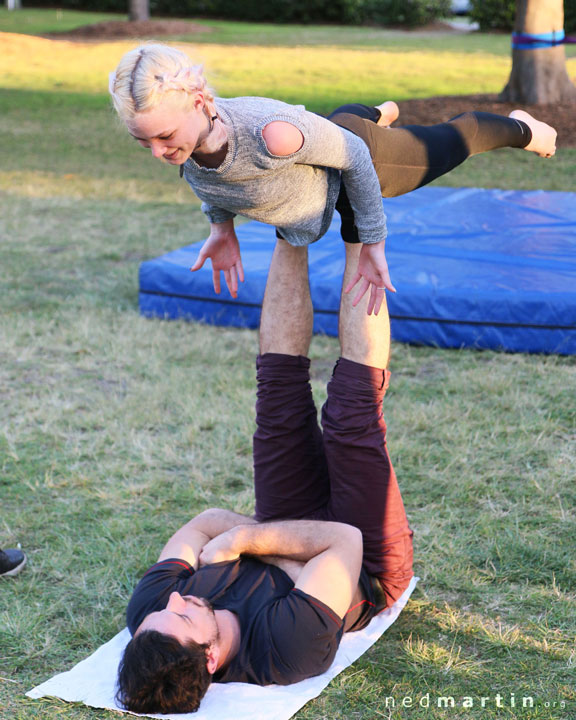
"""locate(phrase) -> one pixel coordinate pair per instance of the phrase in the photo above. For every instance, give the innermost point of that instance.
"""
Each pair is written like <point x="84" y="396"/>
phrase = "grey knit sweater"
<point x="296" y="193"/>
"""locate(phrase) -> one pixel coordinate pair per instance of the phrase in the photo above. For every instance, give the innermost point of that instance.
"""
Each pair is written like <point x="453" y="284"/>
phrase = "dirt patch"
<point x="120" y="29"/>
<point x="123" y="29"/>
<point x="439" y="109"/>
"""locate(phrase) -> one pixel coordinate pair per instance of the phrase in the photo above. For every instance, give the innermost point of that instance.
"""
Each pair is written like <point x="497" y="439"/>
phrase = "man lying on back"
<point x="266" y="600"/>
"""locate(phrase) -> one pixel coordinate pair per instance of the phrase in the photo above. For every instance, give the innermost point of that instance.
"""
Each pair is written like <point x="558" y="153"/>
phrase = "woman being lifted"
<point x="282" y="165"/>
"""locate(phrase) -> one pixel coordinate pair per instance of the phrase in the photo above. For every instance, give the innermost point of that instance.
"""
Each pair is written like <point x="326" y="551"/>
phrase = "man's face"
<point x="186" y="618"/>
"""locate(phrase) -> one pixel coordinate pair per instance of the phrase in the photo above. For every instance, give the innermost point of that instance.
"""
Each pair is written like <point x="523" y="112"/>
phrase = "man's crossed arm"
<point x="330" y="553"/>
<point x="188" y="542"/>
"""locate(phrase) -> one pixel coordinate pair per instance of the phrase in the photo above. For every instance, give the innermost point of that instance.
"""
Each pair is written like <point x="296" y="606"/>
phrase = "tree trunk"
<point x="539" y="76"/>
<point x="139" y="10"/>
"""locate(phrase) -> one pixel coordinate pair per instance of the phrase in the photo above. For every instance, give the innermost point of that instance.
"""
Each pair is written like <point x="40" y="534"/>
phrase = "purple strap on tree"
<point x="531" y="41"/>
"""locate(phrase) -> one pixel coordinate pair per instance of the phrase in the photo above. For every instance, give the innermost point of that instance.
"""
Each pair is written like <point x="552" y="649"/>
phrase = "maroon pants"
<point x="342" y="474"/>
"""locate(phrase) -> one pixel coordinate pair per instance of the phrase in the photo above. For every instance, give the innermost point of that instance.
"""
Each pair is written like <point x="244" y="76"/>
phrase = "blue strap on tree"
<point x="531" y="41"/>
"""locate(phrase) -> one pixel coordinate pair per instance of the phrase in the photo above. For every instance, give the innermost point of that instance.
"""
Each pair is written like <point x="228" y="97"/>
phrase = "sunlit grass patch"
<point x="45" y="184"/>
<point x="439" y="659"/>
<point x="39" y="21"/>
<point x="293" y="74"/>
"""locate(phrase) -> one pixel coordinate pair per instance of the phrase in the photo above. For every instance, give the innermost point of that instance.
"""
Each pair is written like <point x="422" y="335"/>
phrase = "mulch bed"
<point x="124" y="29"/>
<point x="439" y="109"/>
<point x="419" y="112"/>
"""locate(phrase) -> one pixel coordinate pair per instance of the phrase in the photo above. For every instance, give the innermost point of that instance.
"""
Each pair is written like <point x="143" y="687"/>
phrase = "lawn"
<point x="34" y="21"/>
<point x="114" y="429"/>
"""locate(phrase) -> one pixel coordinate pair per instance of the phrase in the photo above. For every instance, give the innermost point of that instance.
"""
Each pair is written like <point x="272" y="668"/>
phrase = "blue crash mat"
<point x="475" y="268"/>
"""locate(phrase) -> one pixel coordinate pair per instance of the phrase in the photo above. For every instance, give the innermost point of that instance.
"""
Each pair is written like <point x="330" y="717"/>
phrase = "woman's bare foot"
<point x="543" y="136"/>
<point x="389" y="112"/>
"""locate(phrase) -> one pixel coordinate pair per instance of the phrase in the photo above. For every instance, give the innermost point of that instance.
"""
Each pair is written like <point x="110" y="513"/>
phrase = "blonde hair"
<point x="148" y="74"/>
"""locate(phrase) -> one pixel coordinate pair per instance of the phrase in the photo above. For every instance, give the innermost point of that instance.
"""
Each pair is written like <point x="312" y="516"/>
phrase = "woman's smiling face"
<point x="171" y="132"/>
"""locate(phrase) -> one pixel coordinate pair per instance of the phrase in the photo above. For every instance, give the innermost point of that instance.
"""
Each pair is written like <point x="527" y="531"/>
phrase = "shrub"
<point x="570" y="16"/>
<point x="493" y="14"/>
<point x="407" y="12"/>
<point x="281" y="11"/>
<point x="346" y="12"/>
<point x="500" y="14"/>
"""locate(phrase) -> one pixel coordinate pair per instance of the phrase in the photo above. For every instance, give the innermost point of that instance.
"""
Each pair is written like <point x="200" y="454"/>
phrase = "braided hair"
<point x="150" y="73"/>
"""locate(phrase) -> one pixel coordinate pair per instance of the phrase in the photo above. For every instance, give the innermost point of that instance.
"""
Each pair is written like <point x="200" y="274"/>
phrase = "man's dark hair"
<point x="157" y="674"/>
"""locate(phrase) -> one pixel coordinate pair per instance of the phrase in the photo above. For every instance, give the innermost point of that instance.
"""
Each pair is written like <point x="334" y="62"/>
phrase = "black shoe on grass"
<point x="11" y="562"/>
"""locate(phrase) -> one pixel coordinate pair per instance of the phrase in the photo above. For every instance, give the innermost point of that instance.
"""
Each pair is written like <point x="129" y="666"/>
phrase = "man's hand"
<point x="188" y="541"/>
<point x="372" y="273"/>
<point x="224" y="548"/>
<point x="219" y="549"/>
<point x="223" y="249"/>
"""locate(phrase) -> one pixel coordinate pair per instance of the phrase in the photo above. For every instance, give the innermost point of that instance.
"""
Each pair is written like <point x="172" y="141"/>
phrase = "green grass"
<point x="308" y="75"/>
<point x="115" y="429"/>
<point x="33" y="21"/>
<point x="38" y="22"/>
<point x="263" y="34"/>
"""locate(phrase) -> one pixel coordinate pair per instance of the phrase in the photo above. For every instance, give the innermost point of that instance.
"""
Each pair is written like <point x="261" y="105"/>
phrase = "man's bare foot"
<point x="389" y="113"/>
<point x="543" y="136"/>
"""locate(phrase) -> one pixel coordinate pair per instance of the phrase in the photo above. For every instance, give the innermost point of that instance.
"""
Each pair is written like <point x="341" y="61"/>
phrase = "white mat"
<point x="92" y="681"/>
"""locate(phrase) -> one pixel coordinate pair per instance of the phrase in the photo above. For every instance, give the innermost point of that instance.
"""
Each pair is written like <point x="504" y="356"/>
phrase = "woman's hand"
<point x="220" y="549"/>
<point x="223" y="249"/>
<point x="372" y="273"/>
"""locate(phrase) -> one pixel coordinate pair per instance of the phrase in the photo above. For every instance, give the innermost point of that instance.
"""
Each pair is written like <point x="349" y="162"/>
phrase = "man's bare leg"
<point x="287" y="314"/>
<point x="363" y="488"/>
<point x="364" y="338"/>
<point x="290" y="477"/>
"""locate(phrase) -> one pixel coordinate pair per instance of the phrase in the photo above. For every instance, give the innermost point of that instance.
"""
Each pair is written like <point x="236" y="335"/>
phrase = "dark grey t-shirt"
<point x="286" y="635"/>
